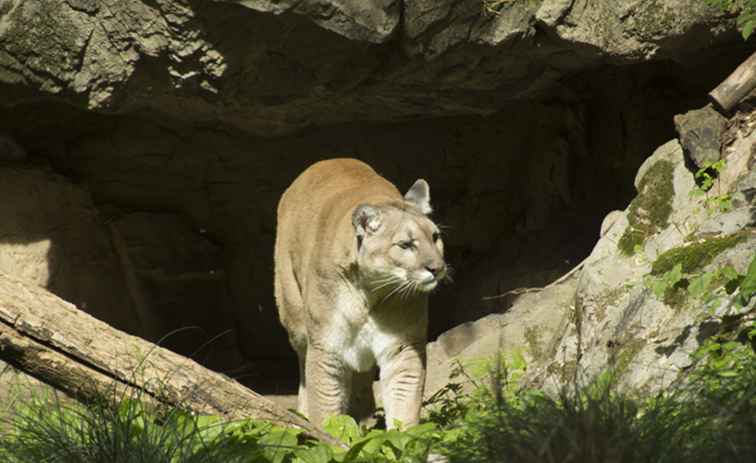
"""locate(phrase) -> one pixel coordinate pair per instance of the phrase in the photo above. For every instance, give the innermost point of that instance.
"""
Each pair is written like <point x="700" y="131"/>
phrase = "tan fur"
<point x="354" y="263"/>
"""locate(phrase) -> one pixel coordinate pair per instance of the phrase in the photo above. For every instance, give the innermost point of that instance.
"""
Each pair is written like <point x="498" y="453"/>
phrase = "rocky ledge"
<point x="273" y="67"/>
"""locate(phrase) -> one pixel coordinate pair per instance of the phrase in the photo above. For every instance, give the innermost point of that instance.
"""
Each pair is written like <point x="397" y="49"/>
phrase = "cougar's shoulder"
<point x="314" y="214"/>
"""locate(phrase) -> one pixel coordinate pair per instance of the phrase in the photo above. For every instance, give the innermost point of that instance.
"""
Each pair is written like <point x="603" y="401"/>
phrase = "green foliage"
<point x="46" y="430"/>
<point x="675" y="287"/>
<point x="489" y="418"/>
<point x="599" y="423"/>
<point x="706" y="178"/>
<point x="746" y="10"/>
<point x="725" y="376"/>
<point x="727" y="362"/>
<point x="748" y="284"/>
<point x="708" y="173"/>
<point x="660" y="286"/>
<point x="649" y="212"/>
<point x="705" y="283"/>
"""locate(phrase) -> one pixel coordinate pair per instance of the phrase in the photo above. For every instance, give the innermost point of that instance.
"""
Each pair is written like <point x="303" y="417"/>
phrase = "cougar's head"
<point x="399" y="248"/>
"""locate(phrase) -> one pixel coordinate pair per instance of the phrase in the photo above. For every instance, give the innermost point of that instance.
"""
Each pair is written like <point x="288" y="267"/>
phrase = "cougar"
<point x="354" y="264"/>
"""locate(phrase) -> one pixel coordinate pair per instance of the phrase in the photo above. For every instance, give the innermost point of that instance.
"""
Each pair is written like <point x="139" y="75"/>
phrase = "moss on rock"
<point x="533" y="338"/>
<point x="696" y="255"/>
<point x="649" y="212"/>
<point x="625" y="353"/>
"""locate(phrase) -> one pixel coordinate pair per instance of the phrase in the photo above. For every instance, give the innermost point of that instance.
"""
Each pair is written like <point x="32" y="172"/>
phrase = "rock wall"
<point x="52" y="235"/>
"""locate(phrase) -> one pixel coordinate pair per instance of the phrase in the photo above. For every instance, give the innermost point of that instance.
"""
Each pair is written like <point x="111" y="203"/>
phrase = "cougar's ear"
<point x="366" y="220"/>
<point x="419" y="196"/>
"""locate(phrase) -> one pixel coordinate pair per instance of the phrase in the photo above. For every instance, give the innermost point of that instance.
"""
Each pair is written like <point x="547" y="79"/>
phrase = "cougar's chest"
<point x="366" y="344"/>
<point x="360" y="338"/>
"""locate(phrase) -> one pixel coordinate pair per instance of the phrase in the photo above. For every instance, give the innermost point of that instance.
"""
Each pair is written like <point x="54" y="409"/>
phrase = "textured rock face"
<point x="52" y="236"/>
<point x="529" y="326"/>
<point x="613" y="313"/>
<point x="179" y="286"/>
<point x="700" y="133"/>
<point x="275" y="67"/>
<point x="363" y="20"/>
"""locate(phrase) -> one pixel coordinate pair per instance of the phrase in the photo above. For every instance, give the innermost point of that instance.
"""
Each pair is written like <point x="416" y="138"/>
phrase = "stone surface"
<point x="730" y="222"/>
<point x="551" y="12"/>
<point x="527" y="327"/>
<point x="701" y="134"/>
<point x="607" y="316"/>
<point x="182" y="286"/>
<point x="10" y="150"/>
<point x="251" y="64"/>
<point x="52" y="236"/>
<point x="363" y="20"/>
<point x="622" y="323"/>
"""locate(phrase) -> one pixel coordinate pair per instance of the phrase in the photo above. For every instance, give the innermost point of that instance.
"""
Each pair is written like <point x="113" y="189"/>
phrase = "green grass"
<point x="601" y="424"/>
<point x="45" y="429"/>
<point x="710" y="416"/>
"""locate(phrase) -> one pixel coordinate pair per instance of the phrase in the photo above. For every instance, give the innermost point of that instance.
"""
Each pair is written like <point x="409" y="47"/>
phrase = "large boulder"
<point x="700" y="134"/>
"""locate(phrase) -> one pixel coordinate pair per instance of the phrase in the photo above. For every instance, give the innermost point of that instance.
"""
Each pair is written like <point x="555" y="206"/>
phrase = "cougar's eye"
<point x="436" y="236"/>
<point x="406" y="244"/>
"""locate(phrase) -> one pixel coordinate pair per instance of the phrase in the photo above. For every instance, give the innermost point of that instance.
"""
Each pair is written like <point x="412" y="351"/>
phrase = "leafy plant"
<point x="494" y="419"/>
<point x="675" y="286"/>
<point x="599" y="422"/>
<point x="707" y="174"/>
<point x="746" y="10"/>
<point x="706" y="178"/>
<point x="667" y="281"/>
<point x="748" y="284"/>
<point x="726" y="368"/>
<point x="705" y="283"/>
<point x="47" y="429"/>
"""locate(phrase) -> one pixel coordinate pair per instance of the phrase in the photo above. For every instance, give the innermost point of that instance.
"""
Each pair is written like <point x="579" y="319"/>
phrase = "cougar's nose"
<point x="435" y="269"/>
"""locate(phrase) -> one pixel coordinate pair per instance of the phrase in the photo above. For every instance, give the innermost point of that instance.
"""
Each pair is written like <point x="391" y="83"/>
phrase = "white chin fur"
<point x="429" y="286"/>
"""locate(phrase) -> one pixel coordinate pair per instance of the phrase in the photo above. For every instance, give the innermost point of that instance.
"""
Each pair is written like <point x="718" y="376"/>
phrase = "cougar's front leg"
<point x="402" y="383"/>
<point x="327" y="385"/>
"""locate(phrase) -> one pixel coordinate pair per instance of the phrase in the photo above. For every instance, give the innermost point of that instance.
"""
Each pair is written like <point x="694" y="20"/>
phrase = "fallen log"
<point x="735" y="87"/>
<point x="53" y="341"/>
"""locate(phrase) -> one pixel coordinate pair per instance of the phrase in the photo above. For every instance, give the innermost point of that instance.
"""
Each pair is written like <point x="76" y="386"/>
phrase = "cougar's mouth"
<point x="428" y="286"/>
